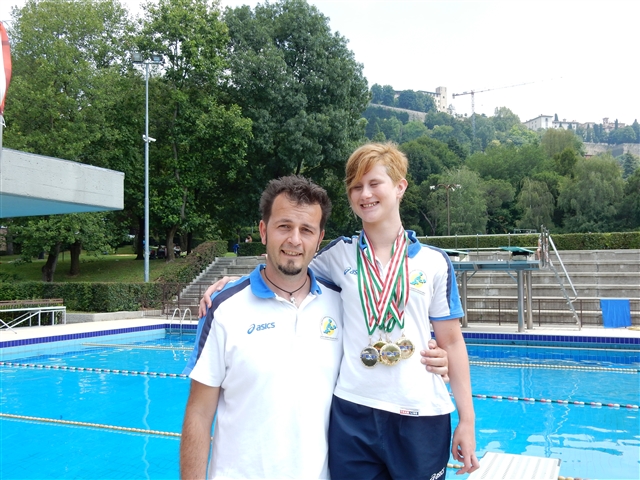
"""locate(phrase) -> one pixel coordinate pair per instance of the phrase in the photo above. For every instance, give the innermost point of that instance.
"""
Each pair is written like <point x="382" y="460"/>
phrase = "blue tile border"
<point x="100" y="333"/>
<point x="552" y="340"/>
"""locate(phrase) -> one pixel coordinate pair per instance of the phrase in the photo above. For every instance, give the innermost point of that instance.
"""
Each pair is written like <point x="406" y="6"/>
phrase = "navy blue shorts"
<point x="366" y="443"/>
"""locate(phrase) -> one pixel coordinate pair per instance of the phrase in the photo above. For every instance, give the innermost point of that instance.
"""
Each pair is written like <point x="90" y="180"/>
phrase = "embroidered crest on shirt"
<point x="418" y="281"/>
<point x="328" y="329"/>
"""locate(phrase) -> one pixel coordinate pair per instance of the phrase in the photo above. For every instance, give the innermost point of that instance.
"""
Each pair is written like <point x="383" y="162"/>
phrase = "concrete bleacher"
<point x="223" y="266"/>
<point x="595" y="274"/>
<point x="492" y="296"/>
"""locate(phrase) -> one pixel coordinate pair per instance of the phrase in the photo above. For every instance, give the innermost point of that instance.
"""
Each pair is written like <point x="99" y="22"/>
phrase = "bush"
<point x="251" y="249"/>
<point x="193" y="264"/>
<point x="92" y="297"/>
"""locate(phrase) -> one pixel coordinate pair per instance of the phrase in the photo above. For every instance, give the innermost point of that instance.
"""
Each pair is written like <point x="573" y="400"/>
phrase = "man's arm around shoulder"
<point x="196" y="430"/>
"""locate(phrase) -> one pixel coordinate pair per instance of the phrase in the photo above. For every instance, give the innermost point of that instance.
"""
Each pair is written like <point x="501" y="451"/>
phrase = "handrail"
<point x="31" y="312"/>
<point x="181" y="315"/>
<point x="566" y="274"/>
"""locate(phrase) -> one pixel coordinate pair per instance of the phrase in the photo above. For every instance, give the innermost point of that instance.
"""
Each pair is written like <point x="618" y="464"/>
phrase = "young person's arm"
<point x="196" y="430"/>
<point x="463" y="446"/>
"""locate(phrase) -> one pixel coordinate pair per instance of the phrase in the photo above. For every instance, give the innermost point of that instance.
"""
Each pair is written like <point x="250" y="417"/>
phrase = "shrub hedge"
<point x="114" y="297"/>
<point x="567" y="241"/>
<point x="89" y="297"/>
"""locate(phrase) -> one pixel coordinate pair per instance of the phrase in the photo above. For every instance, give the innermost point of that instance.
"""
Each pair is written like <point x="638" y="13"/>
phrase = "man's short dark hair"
<point x="299" y="190"/>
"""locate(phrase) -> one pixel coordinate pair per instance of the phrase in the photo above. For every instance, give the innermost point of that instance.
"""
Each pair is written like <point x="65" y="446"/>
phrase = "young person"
<point x="387" y="419"/>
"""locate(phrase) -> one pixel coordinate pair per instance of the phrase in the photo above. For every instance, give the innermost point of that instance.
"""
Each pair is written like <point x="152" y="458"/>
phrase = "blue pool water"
<point x="592" y="441"/>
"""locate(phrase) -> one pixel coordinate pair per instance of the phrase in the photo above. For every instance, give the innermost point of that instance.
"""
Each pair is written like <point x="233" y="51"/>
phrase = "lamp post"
<point x="154" y="60"/>
<point x="447" y="187"/>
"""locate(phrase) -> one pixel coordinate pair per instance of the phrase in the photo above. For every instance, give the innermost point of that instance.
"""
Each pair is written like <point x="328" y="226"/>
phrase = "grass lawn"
<point x="120" y="267"/>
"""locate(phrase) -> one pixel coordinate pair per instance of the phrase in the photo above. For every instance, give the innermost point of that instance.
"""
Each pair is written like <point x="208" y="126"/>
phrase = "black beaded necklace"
<point x="291" y="297"/>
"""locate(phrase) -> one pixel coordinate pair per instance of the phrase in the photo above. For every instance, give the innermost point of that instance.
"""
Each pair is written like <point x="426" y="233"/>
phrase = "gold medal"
<point x="369" y="356"/>
<point x="390" y="354"/>
<point x="379" y="344"/>
<point x="406" y="347"/>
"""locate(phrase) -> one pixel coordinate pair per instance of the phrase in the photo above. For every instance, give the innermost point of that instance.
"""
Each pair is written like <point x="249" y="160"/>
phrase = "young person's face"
<point x="375" y="197"/>
<point x="292" y="236"/>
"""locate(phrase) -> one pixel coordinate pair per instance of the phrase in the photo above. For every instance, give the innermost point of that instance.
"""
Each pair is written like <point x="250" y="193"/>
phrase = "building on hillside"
<point x="608" y="126"/>
<point x="547" y="121"/>
<point x="541" y="121"/>
<point x="439" y="97"/>
<point x="572" y="125"/>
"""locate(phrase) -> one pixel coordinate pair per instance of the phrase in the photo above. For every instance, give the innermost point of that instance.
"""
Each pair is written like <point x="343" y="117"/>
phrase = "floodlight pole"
<point x="146" y="172"/>
<point x="155" y="59"/>
<point x="447" y="187"/>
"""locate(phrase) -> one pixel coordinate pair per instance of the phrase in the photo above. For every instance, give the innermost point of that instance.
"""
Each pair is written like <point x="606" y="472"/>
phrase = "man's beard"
<point x="290" y="270"/>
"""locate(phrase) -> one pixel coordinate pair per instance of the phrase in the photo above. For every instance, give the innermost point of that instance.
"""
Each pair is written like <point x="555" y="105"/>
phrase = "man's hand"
<point x="205" y="301"/>
<point x="435" y="359"/>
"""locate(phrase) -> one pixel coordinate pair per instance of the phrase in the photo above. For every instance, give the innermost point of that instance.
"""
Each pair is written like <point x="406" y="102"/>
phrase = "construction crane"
<point x="473" y="106"/>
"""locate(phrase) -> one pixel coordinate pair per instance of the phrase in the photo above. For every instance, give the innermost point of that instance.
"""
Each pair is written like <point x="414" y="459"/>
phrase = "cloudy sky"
<point x="578" y="59"/>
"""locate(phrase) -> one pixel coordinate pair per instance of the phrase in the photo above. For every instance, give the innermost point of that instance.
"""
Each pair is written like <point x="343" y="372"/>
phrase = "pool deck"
<point x="24" y="333"/>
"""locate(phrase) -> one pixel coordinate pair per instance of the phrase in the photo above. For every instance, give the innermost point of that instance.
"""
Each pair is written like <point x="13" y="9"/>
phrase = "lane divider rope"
<point x="136" y="347"/>
<point x="87" y="424"/>
<point x="548" y="400"/>
<point x="554" y="367"/>
<point x="93" y="370"/>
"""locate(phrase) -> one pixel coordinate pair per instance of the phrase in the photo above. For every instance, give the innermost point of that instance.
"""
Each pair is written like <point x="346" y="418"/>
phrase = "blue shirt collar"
<point x="261" y="290"/>
<point x="414" y="244"/>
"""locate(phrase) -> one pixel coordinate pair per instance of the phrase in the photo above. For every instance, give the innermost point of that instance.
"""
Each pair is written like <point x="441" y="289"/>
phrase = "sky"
<point x="576" y="59"/>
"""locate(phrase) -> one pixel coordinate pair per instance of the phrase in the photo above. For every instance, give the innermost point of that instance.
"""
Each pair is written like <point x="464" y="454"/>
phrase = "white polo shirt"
<point x="405" y="388"/>
<point x="277" y="367"/>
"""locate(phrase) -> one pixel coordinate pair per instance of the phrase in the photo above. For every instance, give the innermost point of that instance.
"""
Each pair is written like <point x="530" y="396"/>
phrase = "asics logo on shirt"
<point x="263" y="326"/>
<point x="351" y="271"/>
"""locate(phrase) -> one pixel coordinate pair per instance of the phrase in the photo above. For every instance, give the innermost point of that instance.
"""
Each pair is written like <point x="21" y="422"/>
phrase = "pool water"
<point x="592" y="441"/>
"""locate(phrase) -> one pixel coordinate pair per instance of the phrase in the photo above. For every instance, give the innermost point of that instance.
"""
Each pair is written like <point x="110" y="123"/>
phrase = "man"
<point x="268" y="354"/>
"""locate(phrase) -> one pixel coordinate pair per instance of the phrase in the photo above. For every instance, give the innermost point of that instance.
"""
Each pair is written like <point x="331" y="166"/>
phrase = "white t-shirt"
<point x="277" y="367"/>
<point x="405" y="388"/>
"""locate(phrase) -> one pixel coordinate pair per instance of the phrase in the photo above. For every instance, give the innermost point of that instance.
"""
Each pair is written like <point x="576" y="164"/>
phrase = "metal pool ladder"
<point x="181" y="316"/>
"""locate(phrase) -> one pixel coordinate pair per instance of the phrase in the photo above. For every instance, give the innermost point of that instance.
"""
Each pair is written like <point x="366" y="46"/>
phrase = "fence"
<point x="545" y="311"/>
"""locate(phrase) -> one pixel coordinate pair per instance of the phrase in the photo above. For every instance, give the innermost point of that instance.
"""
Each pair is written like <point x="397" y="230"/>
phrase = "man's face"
<point x="292" y="236"/>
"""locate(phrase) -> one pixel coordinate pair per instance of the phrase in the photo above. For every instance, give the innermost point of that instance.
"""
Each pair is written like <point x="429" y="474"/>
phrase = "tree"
<point x="504" y="119"/>
<point x="413" y="130"/>
<point x="301" y="87"/>
<point x="590" y="200"/>
<point x="427" y="157"/>
<point x="629" y="212"/>
<point x="636" y="129"/>
<point x="508" y="162"/>
<point x="388" y="96"/>
<point x="536" y="203"/>
<point x="53" y="233"/>
<point x="554" y="141"/>
<point x="73" y="94"/>
<point x="622" y="135"/>
<point x="630" y="163"/>
<point x="565" y="162"/>
<point x="199" y="153"/>
<point x="376" y="93"/>
<point x="499" y="195"/>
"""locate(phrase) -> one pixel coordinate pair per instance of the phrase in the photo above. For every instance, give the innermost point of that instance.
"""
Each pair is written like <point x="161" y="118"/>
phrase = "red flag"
<point x="5" y="67"/>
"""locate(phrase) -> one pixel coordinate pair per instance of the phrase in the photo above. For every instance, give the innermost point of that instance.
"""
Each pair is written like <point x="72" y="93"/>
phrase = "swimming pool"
<point x="112" y="407"/>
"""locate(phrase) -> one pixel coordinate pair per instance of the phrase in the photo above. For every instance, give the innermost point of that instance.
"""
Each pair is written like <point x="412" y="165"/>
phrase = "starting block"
<point x="495" y="466"/>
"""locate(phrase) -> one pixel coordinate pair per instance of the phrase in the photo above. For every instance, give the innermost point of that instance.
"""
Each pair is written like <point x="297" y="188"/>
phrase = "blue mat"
<point x="616" y="312"/>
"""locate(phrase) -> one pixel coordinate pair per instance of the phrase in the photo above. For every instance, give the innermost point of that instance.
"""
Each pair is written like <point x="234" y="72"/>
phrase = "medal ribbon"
<point x="383" y="302"/>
